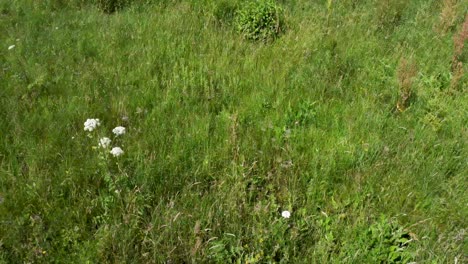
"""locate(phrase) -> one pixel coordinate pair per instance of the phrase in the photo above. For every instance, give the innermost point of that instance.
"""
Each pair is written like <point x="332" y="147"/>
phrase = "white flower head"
<point x="286" y="214"/>
<point x="91" y="124"/>
<point x="116" y="151"/>
<point x="120" y="130"/>
<point x="104" y="142"/>
<point x="11" y="47"/>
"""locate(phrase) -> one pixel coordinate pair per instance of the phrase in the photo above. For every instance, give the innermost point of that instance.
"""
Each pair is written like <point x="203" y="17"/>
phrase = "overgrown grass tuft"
<point x="260" y="20"/>
<point x="353" y="119"/>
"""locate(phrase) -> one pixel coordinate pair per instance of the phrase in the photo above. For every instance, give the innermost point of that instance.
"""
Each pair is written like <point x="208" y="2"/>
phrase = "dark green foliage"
<point x="260" y="20"/>
<point x="225" y="11"/>
<point x="387" y="242"/>
<point x="389" y="13"/>
<point x="224" y="134"/>
<point x="302" y="114"/>
<point x="111" y="6"/>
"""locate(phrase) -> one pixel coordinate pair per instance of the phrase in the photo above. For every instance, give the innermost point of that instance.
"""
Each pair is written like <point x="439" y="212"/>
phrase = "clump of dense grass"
<point x="406" y="73"/>
<point x="224" y="134"/>
<point x="459" y="56"/>
<point x="110" y="6"/>
<point x="225" y="11"/>
<point x="260" y="20"/>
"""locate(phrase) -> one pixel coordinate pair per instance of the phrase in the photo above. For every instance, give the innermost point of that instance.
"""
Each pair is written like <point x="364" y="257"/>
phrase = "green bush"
<point x="260" y="20"/>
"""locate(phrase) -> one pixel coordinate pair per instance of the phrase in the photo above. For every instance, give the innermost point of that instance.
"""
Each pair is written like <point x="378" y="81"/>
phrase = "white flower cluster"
<point x="105" y="142"/>
<point x="120" y="130"/>
<point x="91" y="124"/>
<point x="116" y="151"/>
<point x="286" y="214"/>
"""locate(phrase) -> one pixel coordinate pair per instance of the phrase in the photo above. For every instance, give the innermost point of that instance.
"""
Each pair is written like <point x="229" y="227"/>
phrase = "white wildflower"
<point x="120" y="130"/>
<point x="104" y="142"/>
<point x="91" y="124"/>
<point x="116" y="151"/>
<point x="11" y="47"/>
<point x="286" y="214"/>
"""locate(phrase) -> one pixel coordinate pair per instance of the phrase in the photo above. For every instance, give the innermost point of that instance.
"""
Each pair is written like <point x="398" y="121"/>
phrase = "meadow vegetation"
<point x="349" y="114"/>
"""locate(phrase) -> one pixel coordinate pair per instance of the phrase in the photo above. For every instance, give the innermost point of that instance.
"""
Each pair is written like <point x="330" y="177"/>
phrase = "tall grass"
<point x="223" y="134"/>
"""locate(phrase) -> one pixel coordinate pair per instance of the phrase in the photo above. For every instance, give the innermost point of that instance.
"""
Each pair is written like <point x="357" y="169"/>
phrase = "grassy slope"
<point x="212" y="135"/>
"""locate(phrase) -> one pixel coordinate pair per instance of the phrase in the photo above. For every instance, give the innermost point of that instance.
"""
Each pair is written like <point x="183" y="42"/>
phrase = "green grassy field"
<point x="354" y="119"/>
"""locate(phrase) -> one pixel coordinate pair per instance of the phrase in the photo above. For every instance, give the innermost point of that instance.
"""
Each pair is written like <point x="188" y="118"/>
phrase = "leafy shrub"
<point x="387" y="242"/>
<point x="384" y="241"/>
<point x="260" y="20"/>
<point x="111" y="6"/>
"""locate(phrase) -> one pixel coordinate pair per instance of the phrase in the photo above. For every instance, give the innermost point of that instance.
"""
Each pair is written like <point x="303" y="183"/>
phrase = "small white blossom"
<point x="104" y="142"/>
<point x="286" y="214"/>
<point x="11" y="47"/>
<point x="120" y="130"/>
<point x="91" y="124"/>
<point x="116" y="151"/>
